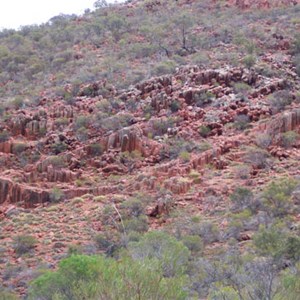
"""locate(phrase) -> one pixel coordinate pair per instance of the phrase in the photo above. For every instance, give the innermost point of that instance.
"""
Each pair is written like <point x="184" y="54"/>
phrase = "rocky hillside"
<point x="192" y="146"/>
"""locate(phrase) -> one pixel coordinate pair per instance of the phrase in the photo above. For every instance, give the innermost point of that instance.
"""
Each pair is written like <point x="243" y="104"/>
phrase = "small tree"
<point x="277" y="198"/>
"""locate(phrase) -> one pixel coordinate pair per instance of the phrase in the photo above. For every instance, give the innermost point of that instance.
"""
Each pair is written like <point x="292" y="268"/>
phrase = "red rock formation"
<point x="6" y="147"/>
<point x="12" y="192"/>
<point x="285" y="122"/>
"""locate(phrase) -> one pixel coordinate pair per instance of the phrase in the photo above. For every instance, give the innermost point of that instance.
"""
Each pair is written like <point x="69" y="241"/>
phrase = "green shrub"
<point x="292" y="248"/>
<point x="241" y="122"/>
<point x="242" y="171"/>
<point x="95" y="277"/>
<point x="296" y="45"/>
<point x="24" y="244"/>
<point x="173" y="255"/>
<point x="56" y="195"/>
<point x="249" y="61"/>
<point x="132" y="208"/>
<point x="290" y="280"/>
<point x="165" y="67"/>
<point x="174" y="106"/>
<point x="241" y="198"/>
<point x="138" y="224"/>
<point x="59" y="147"/>
<point x="241" y="87"/>
<point x="193" y="243"/>
<point x="82" y="122"/>
<point x="277" y="242"/>
<point x="203" y="98"/>
<point x="74" y="250"/>
<point x="103" y="242"/>
<point x="289" y="138"/>
<point x="61" y="122"/>
<point x="82" y="134"/>
<point x="160" y="126"/>
<point x="185" y="156"/>
<point x="18" y="102"/>
<point x="277" y="197"/>
<point x="204" y="131"/>
<point x="207" y="230"/>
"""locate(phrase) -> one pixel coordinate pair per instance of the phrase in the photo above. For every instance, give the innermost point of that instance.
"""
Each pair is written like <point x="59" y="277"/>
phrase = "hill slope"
<point x="172" y="115"/>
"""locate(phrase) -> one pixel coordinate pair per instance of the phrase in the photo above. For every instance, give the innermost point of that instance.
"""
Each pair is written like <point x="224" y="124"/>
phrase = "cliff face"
<point x="204" y="98"/>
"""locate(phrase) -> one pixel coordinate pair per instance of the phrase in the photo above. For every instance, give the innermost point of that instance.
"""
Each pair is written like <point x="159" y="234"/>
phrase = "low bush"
<point x="278" y="242"/>
<point x="164" y="67"/>
<point x="279" y="100"/>
<point x="24" y="244"/>
<point x="185" y="156"/>
<point x="193" y="243"/>
<point x="242" y="171"/>
<point x="204" y="131"/>
<point x="241" y="122"/>
<point x="277" y="197"/>
<point x="249" y="61"/>
<point x="137" y="224"/>
<point x="263" y="140"/>
<point x="242" y="198"/>
<point x="59" y="147"/>
<point x="56" y="195"/>
<point x="257" y="157"/>
<point x="19" y="147"/>
<point x="289" y="138"/>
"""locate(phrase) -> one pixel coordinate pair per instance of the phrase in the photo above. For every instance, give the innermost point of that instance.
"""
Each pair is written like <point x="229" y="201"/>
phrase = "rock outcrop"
<point x="12" y="192"/>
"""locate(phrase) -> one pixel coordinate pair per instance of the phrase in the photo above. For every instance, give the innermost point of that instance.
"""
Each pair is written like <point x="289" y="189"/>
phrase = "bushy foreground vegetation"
<point x="190" y="259"/>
